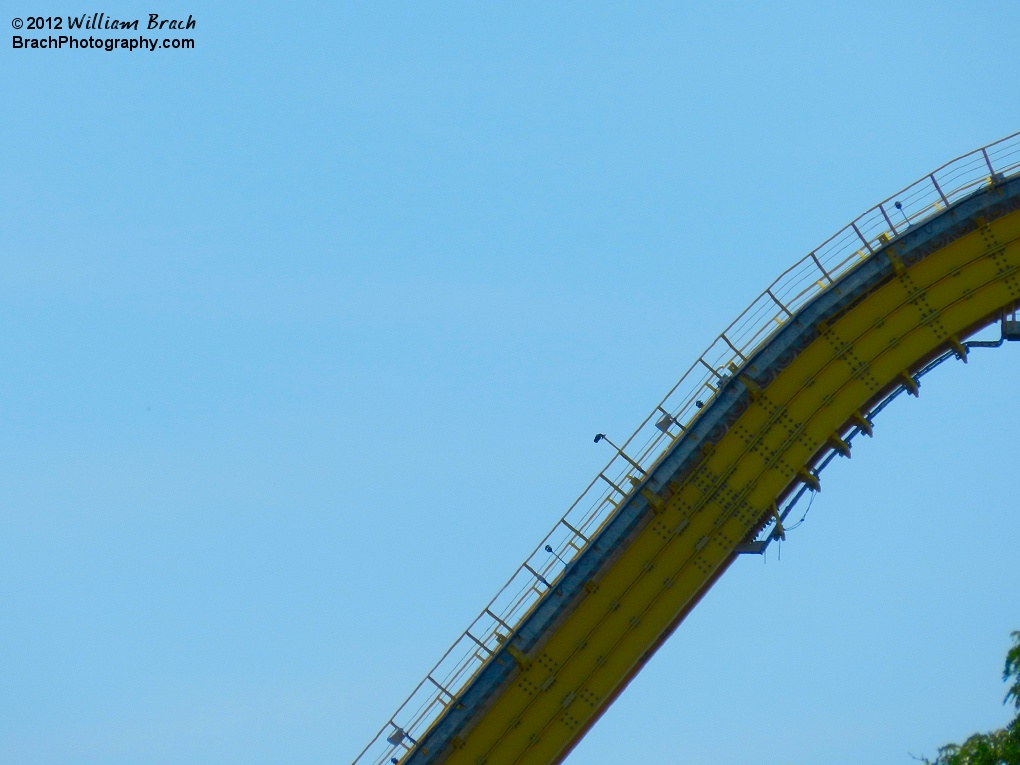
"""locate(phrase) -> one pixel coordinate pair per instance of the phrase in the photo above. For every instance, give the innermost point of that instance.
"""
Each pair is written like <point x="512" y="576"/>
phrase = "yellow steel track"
<point x="790" y="402"/>
<point x="727" y="496"/>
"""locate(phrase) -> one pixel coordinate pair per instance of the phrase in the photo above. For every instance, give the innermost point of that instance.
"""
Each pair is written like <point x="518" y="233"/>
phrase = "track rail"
<point x="677" y="413"/>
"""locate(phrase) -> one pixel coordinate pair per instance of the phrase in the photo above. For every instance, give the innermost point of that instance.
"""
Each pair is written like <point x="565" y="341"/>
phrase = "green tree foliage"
<point x="1000" y="747"/>
<point x="1012" y="672"/>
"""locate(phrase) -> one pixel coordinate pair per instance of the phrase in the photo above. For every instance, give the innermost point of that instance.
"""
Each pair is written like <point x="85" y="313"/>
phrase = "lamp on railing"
<point x="548" y="549"/>
<point x="899" y="206"/>
<point x="604" y="437"/>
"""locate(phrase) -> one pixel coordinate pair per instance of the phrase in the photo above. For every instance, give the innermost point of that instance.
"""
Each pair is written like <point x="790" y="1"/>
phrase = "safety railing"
<point x="638" y="454"/>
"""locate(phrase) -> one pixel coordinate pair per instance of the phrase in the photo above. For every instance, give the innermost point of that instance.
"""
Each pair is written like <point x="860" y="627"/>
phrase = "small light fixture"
<point x="548" y="549"/>
<point x="604" y="437"/>
<point x="899" y="206"/>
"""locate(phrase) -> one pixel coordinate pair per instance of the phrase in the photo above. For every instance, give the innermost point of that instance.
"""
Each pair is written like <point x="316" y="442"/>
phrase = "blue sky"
<point x="306" y="333"/>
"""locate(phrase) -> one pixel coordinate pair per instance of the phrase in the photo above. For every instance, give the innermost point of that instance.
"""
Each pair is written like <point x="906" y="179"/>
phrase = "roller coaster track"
<point x="719" y="464"/>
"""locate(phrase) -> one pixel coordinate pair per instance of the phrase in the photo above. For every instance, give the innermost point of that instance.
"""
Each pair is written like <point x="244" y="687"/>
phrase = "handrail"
<point x="795" y="287"/>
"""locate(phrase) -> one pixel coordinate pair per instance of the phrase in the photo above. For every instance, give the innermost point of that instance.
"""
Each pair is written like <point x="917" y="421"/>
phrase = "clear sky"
<point x="305" y="334"/>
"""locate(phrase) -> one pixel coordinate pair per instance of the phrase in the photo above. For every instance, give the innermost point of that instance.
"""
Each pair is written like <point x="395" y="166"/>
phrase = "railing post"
<point x="505" y="625"/>
<point x="861" y="237"/>
<point x="939" y="189"/>
<point x="820" y="267"/>
<point x="991" y="170"/>
<point x="887" y="218"/>
<point x="537" y="575"/>
<point x="779" y="303"/>
<point x="733" y="347"/>
<point x="604" y="478"/>
<point x="578" y="533"/>
<point x="479" y="643"/>
<point x="440" y="687"/>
